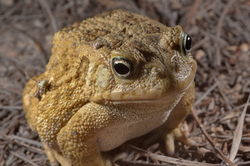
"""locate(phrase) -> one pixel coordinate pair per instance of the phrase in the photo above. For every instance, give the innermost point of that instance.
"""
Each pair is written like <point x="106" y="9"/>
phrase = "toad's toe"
<point x="179" y="135"/>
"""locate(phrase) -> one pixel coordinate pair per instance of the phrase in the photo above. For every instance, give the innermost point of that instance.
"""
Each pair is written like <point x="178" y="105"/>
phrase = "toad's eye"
<point x="122" y="67"/>
<point x="186" y="44"/>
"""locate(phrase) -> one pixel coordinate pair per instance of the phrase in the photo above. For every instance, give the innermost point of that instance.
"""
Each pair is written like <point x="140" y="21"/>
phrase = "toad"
<point x="111" y="78"/>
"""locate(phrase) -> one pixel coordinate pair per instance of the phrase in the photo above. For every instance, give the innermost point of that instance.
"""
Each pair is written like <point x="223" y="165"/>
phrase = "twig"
<point x="244" y="163"/>
<point x="36" y="45"/>
<point x="238" y="133"/>
<point x="136" y="163"/>
<point x="224" y="96"/>
<point x="23" y="158"/>
<point x="168" y="159"/>
<point x="11" y="107"/>
<point x="215" y="38"/>
<point x="24" y="144"/>
<point x="191" y="13"/>
<point x="210" y="139"/>
<point x="229" y="137"/>
<point x="218" y="31"/>
<point x="200" y="43"/>
<point x="221" y="117"/>
<point x="206" y="93"/>
<point x="11" y="11"/>
<point x="48" y="12"/>
<point x="31" y="142"/>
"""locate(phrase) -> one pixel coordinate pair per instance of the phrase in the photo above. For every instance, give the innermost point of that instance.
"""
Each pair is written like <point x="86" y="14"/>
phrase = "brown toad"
<point x="111" y="78"/>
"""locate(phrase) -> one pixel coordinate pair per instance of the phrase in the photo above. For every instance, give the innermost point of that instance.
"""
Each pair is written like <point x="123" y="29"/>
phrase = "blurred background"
<point x="220" y="30"/>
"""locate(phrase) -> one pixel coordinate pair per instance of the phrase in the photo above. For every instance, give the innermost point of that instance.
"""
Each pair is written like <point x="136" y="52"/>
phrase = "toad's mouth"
<point x="142" y="96"/>
<point x="164" y="98"/>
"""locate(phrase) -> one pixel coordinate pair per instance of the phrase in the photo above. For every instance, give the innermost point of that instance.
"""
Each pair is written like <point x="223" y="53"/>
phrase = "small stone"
<point x="244" y="47"/>
<point x="199" y="54"/>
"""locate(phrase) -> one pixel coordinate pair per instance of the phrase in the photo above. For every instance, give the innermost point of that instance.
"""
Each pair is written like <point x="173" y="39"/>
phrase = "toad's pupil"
<point x="121" y="68"/>
<point x="188" y="43"/>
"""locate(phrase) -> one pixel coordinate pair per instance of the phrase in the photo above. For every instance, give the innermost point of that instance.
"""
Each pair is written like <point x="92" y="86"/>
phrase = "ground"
<point x="221" y="34"/>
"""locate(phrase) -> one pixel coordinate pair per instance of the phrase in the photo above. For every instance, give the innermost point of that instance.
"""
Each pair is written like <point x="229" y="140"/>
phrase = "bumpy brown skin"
<point x="88" y="108"/>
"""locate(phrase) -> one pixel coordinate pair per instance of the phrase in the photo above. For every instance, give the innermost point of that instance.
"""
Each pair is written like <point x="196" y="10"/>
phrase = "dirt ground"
<point x="220" y="30"/>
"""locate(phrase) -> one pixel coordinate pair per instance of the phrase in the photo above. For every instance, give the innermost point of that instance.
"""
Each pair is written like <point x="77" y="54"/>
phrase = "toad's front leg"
<point x="171" y="129"/>
<point x="78" y="139"/>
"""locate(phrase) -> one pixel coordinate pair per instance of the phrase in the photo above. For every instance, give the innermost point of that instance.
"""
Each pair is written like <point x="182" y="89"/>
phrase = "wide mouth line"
<point x="151" y="100"/>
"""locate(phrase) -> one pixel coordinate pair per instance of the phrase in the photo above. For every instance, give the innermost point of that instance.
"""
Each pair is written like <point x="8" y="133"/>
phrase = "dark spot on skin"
<point x="147" y="55"/>
<point x="115" y="44"/>
<point x="152" y="39"/>
<point x="138" y="45"/>
<point x="158" y="29"/>
<point x="123" y="30"/>
<point x="132" y="87"/>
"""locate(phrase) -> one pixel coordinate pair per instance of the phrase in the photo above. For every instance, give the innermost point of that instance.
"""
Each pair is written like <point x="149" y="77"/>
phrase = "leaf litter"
<point x="221" y="33"/>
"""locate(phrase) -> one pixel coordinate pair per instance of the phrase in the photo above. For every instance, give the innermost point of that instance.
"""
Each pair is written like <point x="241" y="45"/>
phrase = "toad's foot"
<point x="54" y="157"/>
<point x="179" y="135"/>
